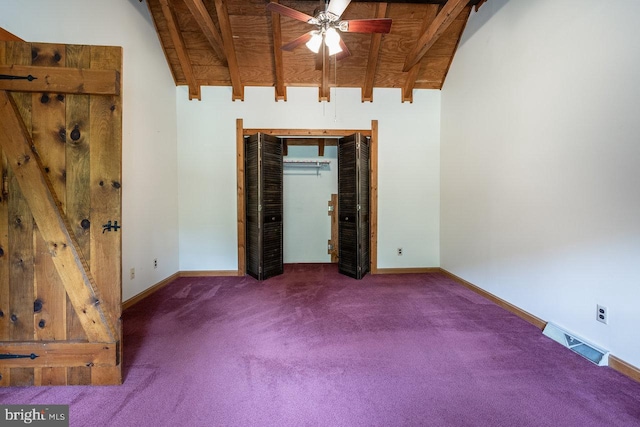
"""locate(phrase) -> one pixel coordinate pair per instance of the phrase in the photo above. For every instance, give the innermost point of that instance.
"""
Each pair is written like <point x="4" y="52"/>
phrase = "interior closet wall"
<point x="307" y="225"/>
<point x="408" y="167"/>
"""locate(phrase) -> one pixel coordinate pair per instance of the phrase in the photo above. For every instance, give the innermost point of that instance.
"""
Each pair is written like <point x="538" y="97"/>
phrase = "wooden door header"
<point x="334" y="133"/>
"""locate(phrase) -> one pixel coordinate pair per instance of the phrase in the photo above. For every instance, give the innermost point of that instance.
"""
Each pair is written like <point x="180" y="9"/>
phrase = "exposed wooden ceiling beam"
<point x="281" y="90"/>
<point x="67" y="258"/>
<point x="325" y="92"/>
<point x="319" y="60"/>
<point x="374" y="53"/>
<point x="465" y="14"/>
<point x="427" y="39"/>
<point x="412" y="75"/>
<point x="249" y="38"/>
<point x="203" y="18"/>
<point x="230" y="50"/>
<point x="25" y="78"/>
<point x="409" y="84"/>
<point x="181" y="49"/>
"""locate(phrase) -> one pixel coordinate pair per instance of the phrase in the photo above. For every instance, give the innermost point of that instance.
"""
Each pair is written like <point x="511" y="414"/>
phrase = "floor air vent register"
<point x="577" y="345"/>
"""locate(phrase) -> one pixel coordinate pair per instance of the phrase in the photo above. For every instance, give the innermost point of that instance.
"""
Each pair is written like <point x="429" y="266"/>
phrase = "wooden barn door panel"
<point x="264" y="208"/>
<point x="353" y="206"/>
<point x="60" y="272"/>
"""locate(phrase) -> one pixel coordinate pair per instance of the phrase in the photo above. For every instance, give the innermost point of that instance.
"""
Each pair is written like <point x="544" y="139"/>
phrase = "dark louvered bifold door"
<point x="353" y="206"/>
<point x="263" y="189"/>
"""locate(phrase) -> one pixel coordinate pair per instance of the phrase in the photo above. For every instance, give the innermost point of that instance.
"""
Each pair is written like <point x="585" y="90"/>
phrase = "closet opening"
<point x="260" y="213"/>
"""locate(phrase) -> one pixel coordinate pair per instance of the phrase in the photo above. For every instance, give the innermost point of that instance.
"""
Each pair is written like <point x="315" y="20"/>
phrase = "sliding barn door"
<point x="263" y="187"/>
<point x="353" y="206"/>
<point x="60" y="238"/>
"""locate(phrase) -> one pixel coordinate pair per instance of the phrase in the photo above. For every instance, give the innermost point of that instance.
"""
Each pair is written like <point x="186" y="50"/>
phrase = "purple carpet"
<point x="314" y="348"/>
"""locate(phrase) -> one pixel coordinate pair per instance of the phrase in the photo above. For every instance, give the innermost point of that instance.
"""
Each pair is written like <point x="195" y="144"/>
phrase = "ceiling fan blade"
<point x="297" y="42"/>
<point x="287" y="11"/>
<point x="345" y="51"/>
<point x="337" y="7"/>
<point x="379" y="25"/>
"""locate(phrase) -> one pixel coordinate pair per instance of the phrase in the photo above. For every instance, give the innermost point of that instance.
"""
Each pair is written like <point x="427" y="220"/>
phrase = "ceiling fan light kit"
<point x="314" y="42"/>
<point x="332" y="40"/>
<point x="328" y="24"/>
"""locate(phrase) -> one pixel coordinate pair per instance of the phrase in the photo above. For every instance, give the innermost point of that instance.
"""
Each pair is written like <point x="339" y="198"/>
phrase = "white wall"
<point x="306" y="193"/>
<point x="408" y="213"/>
<point x="541" y="163"/>
<point x="149" y="167"/>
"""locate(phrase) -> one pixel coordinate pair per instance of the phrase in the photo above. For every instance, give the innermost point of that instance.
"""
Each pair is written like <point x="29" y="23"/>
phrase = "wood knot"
<point x="60" y="97"/>
<point x="101" y="183"/>
<point x="1" y="252"/>
<point x="63" y="135"/>
<point x="75" y="133"/>
<point x="89" y="365"/>
<point x="115" y="184"/>
<point x="37" y="306"/>
<point x="14" y="318"/>
<point x="57" y="57"/>
<point x="85" y="224"/>
<point x="41" y="323"/>
<point x="113" y="108"/>
<point x="47" y="170"/>
<point x="1" y="313"/>
<point x="44" y="98"/>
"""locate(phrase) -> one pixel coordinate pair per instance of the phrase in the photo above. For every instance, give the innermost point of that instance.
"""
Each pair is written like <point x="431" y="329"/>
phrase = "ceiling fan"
<point x="328" y="23"/>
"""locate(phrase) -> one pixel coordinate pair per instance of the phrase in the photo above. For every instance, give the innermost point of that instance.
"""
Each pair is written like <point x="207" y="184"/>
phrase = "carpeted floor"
<point x="314" y="348"/>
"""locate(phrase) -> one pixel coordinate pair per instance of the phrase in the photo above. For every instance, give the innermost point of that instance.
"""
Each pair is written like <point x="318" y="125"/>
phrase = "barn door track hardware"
<point x="18" y="356"/>
<point x="10" y="77"/>
<point x="109" y="226"/>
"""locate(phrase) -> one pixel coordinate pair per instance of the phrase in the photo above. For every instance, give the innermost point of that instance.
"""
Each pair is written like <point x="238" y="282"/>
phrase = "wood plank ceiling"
<point x="237" y="43"/>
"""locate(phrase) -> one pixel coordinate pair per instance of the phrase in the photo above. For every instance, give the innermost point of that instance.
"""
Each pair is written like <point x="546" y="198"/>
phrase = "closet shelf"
<point x="317" y="164"/>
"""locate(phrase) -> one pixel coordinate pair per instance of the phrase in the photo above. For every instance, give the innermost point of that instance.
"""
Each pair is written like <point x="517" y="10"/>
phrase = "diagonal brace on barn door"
<point x="54" y="228"/>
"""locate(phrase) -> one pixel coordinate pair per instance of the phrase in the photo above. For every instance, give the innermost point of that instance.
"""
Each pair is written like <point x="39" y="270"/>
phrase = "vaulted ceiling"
<point x="237" y="43"/>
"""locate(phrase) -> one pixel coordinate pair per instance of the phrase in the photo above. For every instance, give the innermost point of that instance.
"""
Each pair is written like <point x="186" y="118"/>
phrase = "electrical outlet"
<point x="399" y="251"/>
<point x="132" y="273"/>
<point x="155" y="263"/>
<point x="602" y="314"/>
